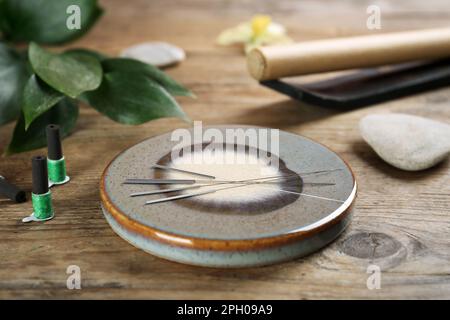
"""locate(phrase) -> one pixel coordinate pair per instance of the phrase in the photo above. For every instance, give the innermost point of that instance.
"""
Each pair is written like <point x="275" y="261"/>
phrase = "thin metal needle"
<point x="153" y="192"/>
<point x="160" y="181"/>
<point x="157" y="166"/>
<point x="306" y="195"/>
<point x="242" y="183"/>
<point x="317" y="172"/>
<point x="149" y="193"/>
<point x="184" y="196"/>
<point x="248" y="181"/>
<point x="191" y="181"/>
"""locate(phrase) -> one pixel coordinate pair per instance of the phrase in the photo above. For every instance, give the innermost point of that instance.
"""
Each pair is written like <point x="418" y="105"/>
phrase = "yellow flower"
<point x="257" y="32"/>
<point x="260" y="24"/>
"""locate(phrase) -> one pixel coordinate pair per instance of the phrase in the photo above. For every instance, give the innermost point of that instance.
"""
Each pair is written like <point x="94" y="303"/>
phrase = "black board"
<point x="367" y="86"/>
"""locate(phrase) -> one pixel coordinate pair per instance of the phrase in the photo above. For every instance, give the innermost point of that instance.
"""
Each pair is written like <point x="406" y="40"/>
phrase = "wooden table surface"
<point x="401" y="219"/>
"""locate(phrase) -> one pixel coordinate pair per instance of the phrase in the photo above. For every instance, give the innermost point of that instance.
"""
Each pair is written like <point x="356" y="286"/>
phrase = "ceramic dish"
<point x="241" y="227"/>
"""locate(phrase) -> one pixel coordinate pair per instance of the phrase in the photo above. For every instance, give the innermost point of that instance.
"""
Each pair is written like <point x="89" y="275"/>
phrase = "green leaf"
<point x="13" y="75"/>
<point x="46" y="21"/>
<point x="2" y="16"/>
<point x="94" y="54"/>
<point x="65" y="114"/>
<point x="38" y="97"/>
<point x="132" y="98"/>
<point x="69" y="73"/>
<point x="131" y="65"/>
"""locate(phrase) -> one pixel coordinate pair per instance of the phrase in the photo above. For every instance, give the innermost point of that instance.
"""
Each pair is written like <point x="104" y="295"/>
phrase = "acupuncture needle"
<point x="193" y="181"/>
<point x="145" y="193"/>
<point x="189" y="195"/>
<point x="184" y="196"/>
<point x="160" y="181"/>
<point x="306" y="195"/>
<point x="157" y="166"/>
<point x="318" y="172"/>
<point x="153" y="192"/>
<point x="188" y="181"/>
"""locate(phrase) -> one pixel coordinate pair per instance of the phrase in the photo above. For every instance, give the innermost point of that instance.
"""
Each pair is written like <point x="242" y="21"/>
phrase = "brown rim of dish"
<point x="219" y="244"/>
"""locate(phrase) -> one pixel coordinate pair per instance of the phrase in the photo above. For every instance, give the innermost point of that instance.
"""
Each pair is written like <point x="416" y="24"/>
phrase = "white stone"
<point x="160" y="54"/>
<point x="405" y="141"/>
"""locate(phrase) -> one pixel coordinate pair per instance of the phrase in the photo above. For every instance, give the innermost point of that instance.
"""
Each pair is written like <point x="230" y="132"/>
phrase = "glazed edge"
<point x="231" y="259"/>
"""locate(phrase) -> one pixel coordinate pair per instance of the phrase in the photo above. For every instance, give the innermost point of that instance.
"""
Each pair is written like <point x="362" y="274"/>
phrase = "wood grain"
<point x="401" y="220"/>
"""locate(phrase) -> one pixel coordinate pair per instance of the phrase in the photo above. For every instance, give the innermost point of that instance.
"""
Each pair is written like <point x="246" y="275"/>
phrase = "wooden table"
<point x="401" y="220"/>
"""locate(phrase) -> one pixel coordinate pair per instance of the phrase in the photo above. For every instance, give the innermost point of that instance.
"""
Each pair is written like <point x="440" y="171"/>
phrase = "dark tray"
<point x="368" y="86"/>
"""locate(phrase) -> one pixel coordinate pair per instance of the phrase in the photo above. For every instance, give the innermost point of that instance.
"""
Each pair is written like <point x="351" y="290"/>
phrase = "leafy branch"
<point x="38" y="87"/>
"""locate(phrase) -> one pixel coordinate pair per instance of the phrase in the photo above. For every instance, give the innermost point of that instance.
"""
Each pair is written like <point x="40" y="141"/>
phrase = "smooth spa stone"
<point x="252" y="225"/>
<point x="160" y="54"/>
<point x="405" y="141"/>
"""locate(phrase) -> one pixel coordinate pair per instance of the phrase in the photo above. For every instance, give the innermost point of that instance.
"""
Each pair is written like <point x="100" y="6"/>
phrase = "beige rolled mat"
<point x="302" y="58"/>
